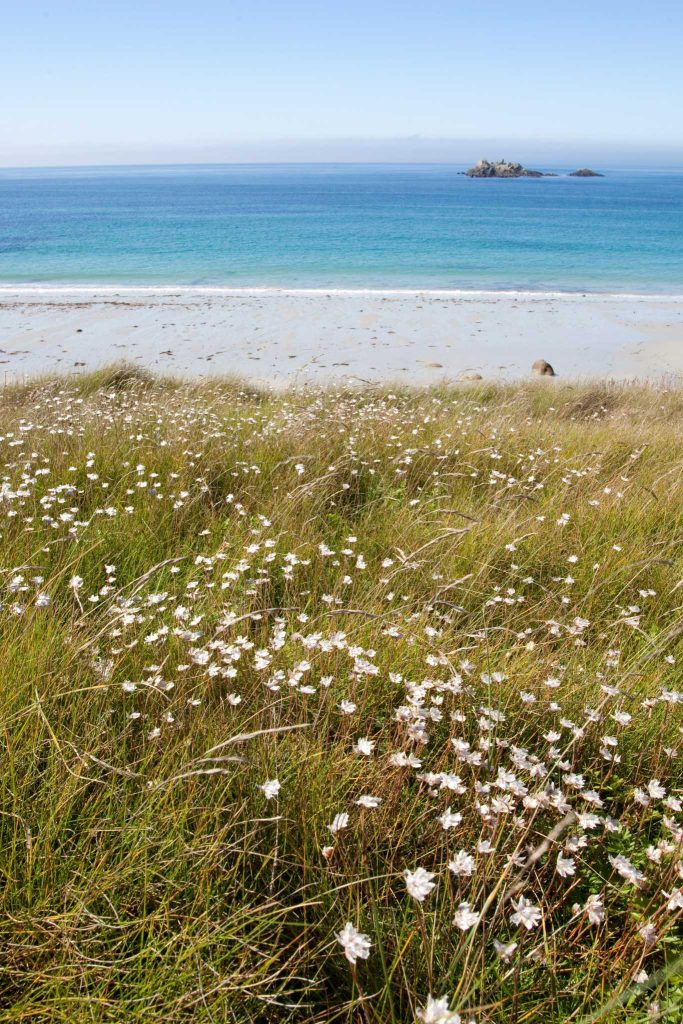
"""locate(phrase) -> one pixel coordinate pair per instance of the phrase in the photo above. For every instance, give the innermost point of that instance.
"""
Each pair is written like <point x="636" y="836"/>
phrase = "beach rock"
<point x="585" y="172"/>
<point x="542" y="369"/>
<point x="501" y="169"/>
<point x="469" y="376"/>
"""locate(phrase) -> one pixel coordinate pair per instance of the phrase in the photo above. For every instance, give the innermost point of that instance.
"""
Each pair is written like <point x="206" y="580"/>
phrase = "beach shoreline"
<point x="95" y="290"/>
<point x="316" y="335"/>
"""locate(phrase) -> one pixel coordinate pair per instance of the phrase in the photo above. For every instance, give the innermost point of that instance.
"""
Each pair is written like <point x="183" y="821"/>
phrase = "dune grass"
<point x="264" y="656"/>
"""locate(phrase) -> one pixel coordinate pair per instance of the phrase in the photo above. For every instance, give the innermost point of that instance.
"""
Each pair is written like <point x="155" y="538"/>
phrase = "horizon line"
<point x="614" y="165"/>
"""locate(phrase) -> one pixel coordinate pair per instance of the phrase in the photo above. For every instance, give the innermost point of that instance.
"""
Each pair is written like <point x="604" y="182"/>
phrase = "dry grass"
<point x="206" y="587"/>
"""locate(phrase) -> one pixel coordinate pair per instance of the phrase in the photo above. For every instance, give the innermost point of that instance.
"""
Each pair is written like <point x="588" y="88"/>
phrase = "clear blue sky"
<point x="135" y="79"/>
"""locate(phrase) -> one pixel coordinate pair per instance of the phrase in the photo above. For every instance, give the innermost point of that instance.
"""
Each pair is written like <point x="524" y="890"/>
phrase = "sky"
<point x="136" y="81"/>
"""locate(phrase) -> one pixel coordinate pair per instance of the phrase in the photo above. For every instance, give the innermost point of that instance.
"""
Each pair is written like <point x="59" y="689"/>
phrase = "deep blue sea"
<point x="341" y="226"/>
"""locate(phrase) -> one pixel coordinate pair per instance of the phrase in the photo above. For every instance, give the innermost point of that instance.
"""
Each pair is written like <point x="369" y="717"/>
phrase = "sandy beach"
<point x="313" y="336"/>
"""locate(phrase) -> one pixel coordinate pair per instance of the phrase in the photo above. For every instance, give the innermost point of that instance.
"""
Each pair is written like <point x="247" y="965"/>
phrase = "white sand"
<point x="272" y="335"/>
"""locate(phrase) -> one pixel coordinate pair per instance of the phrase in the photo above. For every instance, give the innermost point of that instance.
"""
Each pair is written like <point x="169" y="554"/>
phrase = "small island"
<point x="585" y="172"/>
<point x="512" y="169"/>
<point x="503" y="169"/>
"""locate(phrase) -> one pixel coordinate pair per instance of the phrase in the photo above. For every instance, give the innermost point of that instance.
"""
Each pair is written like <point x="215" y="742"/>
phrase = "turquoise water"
<point x="341" y="226"/>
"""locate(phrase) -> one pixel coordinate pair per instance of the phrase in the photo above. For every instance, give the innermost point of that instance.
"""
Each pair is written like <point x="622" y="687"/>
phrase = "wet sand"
<point x="298" y="335"/>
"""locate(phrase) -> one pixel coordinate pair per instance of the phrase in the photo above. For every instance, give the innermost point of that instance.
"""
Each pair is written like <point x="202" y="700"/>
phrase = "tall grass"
<point x="207" y="588"/>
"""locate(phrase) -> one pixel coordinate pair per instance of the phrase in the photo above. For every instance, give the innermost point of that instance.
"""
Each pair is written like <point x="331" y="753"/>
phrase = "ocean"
<point x="341" y="227"/>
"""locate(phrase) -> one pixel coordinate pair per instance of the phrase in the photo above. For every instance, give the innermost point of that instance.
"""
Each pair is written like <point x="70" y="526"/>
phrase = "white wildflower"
<point x="648" y="934"/>
<point x="526" y="913"/>
<point x="505" y="950"/>
<point x="627" y="870"/>
<point x="368" y="801"/>
<point x="594" y="909"/>
<point x="449" y="819"/>
<point x="270" y="788"/>
<point x="675" y="899"/>
<point x="437" y="1012"/>
<point x="355" y="944"/>
<point x="462" y="864"/>
<point x="465" y="918"/>
<point x="419" y="883"/>
<point x="340" y="822"/>
<point x="565" y="866"/>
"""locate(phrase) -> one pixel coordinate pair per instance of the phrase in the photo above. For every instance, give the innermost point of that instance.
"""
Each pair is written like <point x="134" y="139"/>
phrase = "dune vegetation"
<point x="354" y="705"/>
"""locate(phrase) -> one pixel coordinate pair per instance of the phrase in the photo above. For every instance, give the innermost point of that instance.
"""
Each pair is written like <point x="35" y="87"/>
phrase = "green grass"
<point x="535" y="533"/>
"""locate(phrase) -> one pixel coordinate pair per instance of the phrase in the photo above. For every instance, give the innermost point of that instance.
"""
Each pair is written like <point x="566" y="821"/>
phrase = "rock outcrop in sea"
<point x="502" y="169"/>
<point x="585" y="172"/>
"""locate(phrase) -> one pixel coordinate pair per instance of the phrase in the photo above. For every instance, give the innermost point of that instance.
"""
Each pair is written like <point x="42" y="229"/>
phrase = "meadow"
<point x="340" y="705"/>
